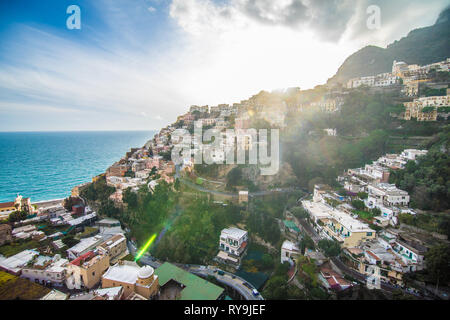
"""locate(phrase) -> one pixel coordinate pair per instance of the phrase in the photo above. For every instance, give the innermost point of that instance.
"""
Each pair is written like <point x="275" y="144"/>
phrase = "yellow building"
<point x="115" y="247"/>
<point x="19" y="204"/>
<point x="349" y="234"/>
<point x="133" y="279"/>
<point x="86" y="270"/>
<point x="8" y="206"/>
<point x="338" y="225"/>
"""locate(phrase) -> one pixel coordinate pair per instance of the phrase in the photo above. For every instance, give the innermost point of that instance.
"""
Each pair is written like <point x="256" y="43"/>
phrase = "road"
<point x="228" y="279"/>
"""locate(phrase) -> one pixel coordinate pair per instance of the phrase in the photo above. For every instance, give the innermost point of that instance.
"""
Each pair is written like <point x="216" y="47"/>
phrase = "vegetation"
<point x="15" y="288"/>
<point x="432" y="223"/>
<point x="299" y="212"/>
<point x="330" y="248"/>
<point x="17" y="216"/>
<point x="429" y="92"/>
<point x="98" y="191"/>
<point x="192" y="238"/>
<point x="276" y="287"/>
<point x="427" y="181"/>
<point x="306" y="243"/>
<point x="363" y="125"/>
<point x="437" y="259"/>
<point x="262" y="219"/>
<point x="15" y="247"/>
<point x="358" y="204"/>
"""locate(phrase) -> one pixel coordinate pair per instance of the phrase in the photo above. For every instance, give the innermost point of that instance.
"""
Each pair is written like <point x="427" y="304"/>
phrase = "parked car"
<point x="220" y="273"/>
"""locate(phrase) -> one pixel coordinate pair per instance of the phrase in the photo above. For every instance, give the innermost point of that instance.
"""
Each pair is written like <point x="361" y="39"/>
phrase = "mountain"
<point x="421" y="46"/>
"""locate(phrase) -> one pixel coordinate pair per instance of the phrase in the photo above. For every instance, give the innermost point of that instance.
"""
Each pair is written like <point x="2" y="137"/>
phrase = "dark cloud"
<point x="329" y="19"/>
<point x="267" y="11"/>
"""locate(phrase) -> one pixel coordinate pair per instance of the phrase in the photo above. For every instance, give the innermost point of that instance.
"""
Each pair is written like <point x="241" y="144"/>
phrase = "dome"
<point x="145" y="272"/>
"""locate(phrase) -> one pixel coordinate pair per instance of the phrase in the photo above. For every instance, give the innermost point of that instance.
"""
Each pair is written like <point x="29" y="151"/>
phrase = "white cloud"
<point x="151" y="9"/>
<point x="224" y="52"/>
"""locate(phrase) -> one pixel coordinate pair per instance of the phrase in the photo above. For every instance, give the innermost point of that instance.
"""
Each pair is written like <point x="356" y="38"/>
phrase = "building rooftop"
<point x="55" y="295"/>
<point x="14" y="263"/>
<point x="291" y="225"/>
<point x="85" y="244"/>
<point x="6" y="204"/>
<point x="196" y="288"/>
<point x="234" y="233"/>
<point x="125" y="271"/>
<point x="109" y="293"/>
<point x="113" y="241"/>
<point x="321" y="211"/>
<point x="288" y="245"/>
<point x="80" y="220"/>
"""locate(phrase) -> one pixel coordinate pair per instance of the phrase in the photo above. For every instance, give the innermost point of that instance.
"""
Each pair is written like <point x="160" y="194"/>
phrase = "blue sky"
<point x="137" y="64"/>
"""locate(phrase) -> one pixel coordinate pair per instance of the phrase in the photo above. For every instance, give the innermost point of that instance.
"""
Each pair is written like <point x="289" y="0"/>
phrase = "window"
<point x="369" y="234"/>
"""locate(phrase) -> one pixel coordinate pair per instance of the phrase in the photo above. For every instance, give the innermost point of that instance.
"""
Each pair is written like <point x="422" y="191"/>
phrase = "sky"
<point x="138" y="64"/>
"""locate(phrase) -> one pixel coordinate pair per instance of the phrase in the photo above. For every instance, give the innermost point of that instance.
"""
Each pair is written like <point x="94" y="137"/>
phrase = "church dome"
<point x="145" y="272"/>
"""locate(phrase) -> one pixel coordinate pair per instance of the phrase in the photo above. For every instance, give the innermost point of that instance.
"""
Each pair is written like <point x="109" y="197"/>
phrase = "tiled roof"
<point x="6" y="205"/>
<point x="196" y="288"/>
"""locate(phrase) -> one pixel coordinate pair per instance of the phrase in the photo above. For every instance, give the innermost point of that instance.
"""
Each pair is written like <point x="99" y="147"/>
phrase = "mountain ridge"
<point x="421" y="46"/>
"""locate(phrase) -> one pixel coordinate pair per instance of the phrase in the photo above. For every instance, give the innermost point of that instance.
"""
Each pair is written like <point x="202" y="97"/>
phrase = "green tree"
<point x="362" y="195"/>
<point x="358" y="204"/>
<point x="437" y="263"/>
<point x="300" y="212"/>
<point x="330" y="248"/>
<point x="130" y="197"/>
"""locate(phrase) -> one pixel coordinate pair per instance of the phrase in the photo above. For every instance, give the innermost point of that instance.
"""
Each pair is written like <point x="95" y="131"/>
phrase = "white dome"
<point x="145" y="272"/>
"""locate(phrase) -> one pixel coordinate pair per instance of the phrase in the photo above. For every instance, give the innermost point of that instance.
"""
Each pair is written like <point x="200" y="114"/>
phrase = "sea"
<point x="47" y="165"/>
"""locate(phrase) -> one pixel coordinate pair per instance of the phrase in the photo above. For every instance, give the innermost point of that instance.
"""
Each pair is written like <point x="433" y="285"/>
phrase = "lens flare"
<point x="144" y="249"/>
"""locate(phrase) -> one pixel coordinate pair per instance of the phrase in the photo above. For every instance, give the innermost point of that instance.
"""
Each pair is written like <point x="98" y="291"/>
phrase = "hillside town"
<point x="77" y="254"/>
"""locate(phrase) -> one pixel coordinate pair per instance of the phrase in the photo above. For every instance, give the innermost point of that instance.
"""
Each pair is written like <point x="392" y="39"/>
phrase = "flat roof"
<point x="288" y="245"/>
<point x="321" y="210"/>
<point x="291" y="225"/>
<point x="55" y="295"/>
<point x="126" y="272"/>
<point x="196" y="288"/>
<point x="85" y="244"/>
<point x="19" y="260"/>
<point x="234" y="233"/>
<point x="82" y="219"/>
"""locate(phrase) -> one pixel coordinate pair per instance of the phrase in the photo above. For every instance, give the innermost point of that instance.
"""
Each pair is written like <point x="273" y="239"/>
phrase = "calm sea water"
<point x="47" y="165"/>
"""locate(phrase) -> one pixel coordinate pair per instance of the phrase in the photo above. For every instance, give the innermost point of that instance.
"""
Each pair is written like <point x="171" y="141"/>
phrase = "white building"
<point x="15" y="263"/>
<point x="84" y="246"/>
<point x="233" y="241"/>
<point x="47" y="270"/>
<point x="384" y="194"/>
<point x="412" y="154"/>
<point x="289" y="251"/>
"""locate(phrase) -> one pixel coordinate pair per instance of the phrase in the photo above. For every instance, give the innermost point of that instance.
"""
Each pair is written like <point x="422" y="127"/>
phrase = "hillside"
<point x="421" y="46"/>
